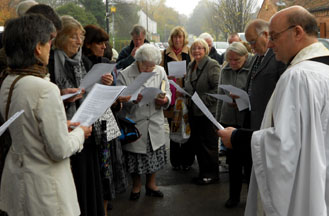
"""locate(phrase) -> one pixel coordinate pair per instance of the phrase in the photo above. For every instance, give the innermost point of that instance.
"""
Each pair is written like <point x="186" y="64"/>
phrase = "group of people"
<point x="58" y="167"/>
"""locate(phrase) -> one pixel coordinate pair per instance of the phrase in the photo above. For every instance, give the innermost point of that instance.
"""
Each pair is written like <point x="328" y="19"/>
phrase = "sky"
<point x="186" y="6"/>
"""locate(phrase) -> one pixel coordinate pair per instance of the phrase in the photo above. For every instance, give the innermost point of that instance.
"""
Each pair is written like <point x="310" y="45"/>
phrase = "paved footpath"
<point x="182" y="197"/>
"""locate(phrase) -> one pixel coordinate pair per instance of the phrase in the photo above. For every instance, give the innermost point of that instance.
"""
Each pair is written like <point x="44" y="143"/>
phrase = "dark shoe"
<point x="205" y="181"/>
<point x="231" y="203"/>
<point x="135" y="196"/>
<point x="186" y="168"/>
<point x="153" y="193"/>
<point x="109" y="206"/>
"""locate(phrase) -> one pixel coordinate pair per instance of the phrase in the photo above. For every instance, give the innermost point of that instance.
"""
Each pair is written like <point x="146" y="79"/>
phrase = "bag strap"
<point x="10" y="94"/>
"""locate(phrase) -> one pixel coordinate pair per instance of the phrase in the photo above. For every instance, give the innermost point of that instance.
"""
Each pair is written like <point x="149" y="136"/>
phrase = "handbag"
<point x="129" y="132"/>
<point x="180" y="130"/>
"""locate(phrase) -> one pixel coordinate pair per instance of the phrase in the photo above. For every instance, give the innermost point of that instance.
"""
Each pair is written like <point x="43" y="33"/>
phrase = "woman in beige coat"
<point x="37" y="178"/>
<point x="147" y="155"/>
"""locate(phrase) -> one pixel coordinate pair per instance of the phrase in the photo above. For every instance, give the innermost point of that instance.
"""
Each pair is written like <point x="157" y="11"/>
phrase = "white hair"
<point x="205" y="36"/>
<point x="148" y="53"/>
<point x="23" y="6"/>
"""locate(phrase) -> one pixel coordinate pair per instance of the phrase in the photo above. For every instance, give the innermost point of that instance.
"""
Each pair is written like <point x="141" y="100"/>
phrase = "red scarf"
<point x="177" y="51"/>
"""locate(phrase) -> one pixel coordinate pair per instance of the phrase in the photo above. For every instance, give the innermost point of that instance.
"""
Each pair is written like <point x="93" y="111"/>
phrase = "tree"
<point x="97" y="8"/>
<point x="7" y="10"/>
<point x="79" y="13"/>
<point x="232" y="15"/>
<point x="199" y="20"/>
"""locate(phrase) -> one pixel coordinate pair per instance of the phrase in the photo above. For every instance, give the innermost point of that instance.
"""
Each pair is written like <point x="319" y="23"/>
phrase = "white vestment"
<point x="291" y="152"/>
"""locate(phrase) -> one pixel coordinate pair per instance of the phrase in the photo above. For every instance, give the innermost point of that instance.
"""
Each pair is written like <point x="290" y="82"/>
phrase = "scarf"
<point x="34" y="70"/>
<point x="177" y="51"/>
<point x="68" y="79"/>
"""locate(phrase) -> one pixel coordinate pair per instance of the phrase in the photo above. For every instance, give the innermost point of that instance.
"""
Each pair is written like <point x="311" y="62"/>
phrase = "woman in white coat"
<point x="147" y="155"/>
<point x="37" y="178"/>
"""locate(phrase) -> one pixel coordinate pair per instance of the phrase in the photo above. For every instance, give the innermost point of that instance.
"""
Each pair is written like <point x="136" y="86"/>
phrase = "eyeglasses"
<point x="77" y="37"/>
<point x="275" y="36"/>
<point x="253" y="42"/>
<point x="197" y="48"/>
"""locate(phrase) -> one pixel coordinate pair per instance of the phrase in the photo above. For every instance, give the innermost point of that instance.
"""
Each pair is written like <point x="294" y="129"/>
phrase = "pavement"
<point x="181" y="196"/>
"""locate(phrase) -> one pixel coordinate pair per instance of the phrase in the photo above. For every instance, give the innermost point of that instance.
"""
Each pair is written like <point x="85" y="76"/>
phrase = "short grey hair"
<point x="238" y="48"/>
<point x="259" y="25"/>
<point x="23" y="6"/>
<point x="137" y="30"/>
<point x="148" y="53"/>
<point x="206" y="35"/>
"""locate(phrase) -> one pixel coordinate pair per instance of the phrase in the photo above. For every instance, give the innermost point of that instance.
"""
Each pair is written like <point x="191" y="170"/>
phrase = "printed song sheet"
<point x="223" y="97"/>
<point x="177" y="68"/>
<point x="67" y="96"/>
<point x="134" y="88"/>
<point x="197" y="100"/>
<point x="99" y="99"/>
<point x="178" y="88"/>
<point x="149" y="94"/>
<point x="242" y="102"/>
<point x="9" y="121"/>
<point x="95" y="74"/>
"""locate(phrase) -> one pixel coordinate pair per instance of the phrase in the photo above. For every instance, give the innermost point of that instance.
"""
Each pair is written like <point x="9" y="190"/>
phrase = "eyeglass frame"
<point x="75" y="37"/>
<point x="275" y="36"/>
<point x="253" y="42"/>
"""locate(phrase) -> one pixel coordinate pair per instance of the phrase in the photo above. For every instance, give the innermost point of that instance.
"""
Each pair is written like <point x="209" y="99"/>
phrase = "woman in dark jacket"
<point x="202" y="78"/>
<point x="114" y="176"/>
<point x="67" y="68"/>
<point x="235" y="73"/>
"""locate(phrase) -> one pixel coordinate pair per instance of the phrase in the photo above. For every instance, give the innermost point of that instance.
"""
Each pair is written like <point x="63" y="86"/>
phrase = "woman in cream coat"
<point x="37" y="178"/>
<point x="146" y="155"/>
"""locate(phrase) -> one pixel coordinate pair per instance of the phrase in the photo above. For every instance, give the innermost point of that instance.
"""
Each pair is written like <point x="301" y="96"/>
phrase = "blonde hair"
<point x="202" y="42"/>
<point x="69" y="25"/>
<point x="178" y="30"/>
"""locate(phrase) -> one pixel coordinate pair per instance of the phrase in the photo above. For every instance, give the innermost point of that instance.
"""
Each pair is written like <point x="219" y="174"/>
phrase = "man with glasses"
<point x="291" y="152"/>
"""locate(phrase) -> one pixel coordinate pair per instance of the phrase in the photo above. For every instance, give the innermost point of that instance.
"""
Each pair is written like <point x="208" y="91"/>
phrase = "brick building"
<point x="319" y="8"/>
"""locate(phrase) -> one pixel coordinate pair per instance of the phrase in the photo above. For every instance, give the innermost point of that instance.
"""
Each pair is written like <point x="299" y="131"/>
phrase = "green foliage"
<point x="198" y="22"/>
<point x="97" y="8"/>
<point x="125" y="17"/>
<point x="79" y="13"/>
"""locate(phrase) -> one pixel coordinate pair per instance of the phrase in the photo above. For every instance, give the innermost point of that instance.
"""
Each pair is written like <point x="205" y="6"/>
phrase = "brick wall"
<point x="269" y="8"/>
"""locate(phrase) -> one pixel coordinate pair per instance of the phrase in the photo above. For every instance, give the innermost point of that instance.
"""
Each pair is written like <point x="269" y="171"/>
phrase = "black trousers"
<point x="205" y="143"/>
<point x="239" y="164"/>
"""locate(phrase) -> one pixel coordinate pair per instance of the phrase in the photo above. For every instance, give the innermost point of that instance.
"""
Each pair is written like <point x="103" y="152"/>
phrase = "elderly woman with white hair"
<point x="202" y="78"/>
<point x="147" y="155"/>
<point x="212" y="50"/>
<point x="235" y="73"/>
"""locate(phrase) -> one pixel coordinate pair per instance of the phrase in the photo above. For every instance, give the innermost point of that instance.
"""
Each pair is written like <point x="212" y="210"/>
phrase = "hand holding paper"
<point x="243" y="100"/>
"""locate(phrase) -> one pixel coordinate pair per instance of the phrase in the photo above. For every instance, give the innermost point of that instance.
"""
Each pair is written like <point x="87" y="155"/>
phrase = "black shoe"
<point x="186" y="168"/>
<point x="109" y="206"/>
<point x="153" y="193"/>
<point x="135" y="196"/>
<point x="231" y="203"/>
<point x="205" y="181"/>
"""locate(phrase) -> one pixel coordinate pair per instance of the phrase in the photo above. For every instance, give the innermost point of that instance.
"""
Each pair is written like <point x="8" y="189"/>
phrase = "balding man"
<point x="265" y="73"/>
<point x="291" y="151"/>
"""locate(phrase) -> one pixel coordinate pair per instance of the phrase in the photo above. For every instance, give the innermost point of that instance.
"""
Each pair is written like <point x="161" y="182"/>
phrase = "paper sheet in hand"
<point x="95" y="74"/>
<point x="177" y="68"/>
<point x="134" y="88"/>
<point x="149" y="94"/>
<point x="178" y="88"/>
<point x="242" y="102"/>
<point x="9" y="121"/>
<point x="198" y="102"/>
<point x="223" y="97"/>
<point x="67" y="96"/>
<point x="99" y="99"/>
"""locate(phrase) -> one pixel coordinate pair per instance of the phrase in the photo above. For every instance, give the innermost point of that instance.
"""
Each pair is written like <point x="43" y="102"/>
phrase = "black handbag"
<point x="129" y="132"/>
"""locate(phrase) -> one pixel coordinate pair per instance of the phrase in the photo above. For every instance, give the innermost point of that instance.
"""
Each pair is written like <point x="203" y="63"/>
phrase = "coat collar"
<point x="171" y="53"/>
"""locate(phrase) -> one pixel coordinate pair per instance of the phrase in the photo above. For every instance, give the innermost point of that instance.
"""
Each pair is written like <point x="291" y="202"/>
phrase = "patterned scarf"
<point x="177" y="51"/>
